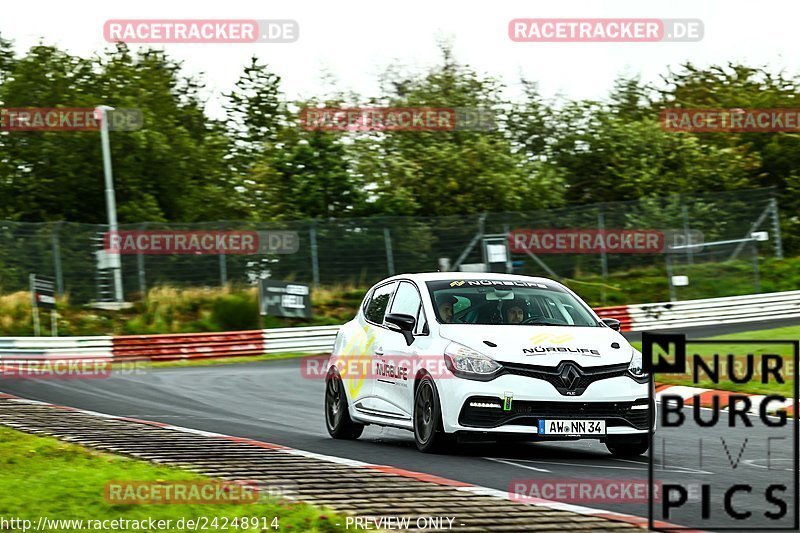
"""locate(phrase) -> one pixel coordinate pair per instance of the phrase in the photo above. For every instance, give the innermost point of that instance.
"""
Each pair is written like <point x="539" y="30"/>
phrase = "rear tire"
<point x="428" y="430"/>
<point x="337" y="414"/>
<point x="628" y="446"/>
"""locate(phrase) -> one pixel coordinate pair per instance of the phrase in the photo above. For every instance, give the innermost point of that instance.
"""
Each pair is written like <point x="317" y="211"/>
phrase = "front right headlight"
<point x="467" y="363"/>
<point x="636" y="368"/>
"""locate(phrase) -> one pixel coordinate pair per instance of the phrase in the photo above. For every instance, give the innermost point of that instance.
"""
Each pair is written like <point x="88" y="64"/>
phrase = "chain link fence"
<point x="360" y="251"/>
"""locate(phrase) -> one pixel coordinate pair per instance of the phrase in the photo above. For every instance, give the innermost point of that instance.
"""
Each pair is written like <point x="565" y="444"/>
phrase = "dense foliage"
<point x="259" y="163"/>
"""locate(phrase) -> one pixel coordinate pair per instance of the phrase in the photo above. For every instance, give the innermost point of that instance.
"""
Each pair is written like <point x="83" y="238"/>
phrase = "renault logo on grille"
<point x="569" y="376"/>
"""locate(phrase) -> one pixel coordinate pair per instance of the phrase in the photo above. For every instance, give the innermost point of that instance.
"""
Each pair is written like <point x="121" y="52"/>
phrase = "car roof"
<point x="438" y="276"/>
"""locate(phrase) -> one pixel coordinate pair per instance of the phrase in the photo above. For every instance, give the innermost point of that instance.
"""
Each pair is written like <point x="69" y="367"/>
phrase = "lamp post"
<point x="101" y="114"/>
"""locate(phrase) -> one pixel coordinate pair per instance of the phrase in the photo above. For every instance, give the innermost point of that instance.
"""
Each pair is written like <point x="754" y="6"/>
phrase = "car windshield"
<point x="511" y="302"/>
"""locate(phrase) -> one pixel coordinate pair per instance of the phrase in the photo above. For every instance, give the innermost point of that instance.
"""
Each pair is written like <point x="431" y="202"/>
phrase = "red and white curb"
<point x="418" y="476"/>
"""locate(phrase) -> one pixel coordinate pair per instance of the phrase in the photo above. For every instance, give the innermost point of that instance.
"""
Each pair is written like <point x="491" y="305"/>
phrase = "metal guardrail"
<point x="188" y="346"/>
<point x="712" y="311"/>
<point x="320" y="339"/>
<point x="55" y="347"/>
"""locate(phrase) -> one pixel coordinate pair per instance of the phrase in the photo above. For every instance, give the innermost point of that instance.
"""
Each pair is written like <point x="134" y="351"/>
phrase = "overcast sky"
<point x="355" y="40"/>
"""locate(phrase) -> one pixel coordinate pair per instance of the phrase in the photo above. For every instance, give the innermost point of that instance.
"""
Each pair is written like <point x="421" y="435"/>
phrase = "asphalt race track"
<point x="272" y="401"/>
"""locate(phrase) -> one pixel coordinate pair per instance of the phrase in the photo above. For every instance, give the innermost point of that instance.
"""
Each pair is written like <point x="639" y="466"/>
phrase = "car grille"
<point x="524" y="413"/>
<point x="553" y="375"/>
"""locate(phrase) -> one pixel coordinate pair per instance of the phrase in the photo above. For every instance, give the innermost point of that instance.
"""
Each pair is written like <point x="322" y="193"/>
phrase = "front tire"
<point x="628" y="446"/>
<point x="337" y="415"/>
<point x="428" y="430"/>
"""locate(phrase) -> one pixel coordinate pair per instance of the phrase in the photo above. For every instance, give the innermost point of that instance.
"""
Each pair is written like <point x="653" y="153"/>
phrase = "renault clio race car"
<point x="458" y="356"/>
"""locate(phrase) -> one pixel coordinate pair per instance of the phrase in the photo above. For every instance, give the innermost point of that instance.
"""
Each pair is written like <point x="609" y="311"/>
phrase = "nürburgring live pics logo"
<point x="751" y="435"/>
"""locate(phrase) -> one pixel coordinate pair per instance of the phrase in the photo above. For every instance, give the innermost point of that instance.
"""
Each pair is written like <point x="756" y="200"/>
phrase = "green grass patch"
<point x="737" y="354"/>
<point x="42" y="476"/>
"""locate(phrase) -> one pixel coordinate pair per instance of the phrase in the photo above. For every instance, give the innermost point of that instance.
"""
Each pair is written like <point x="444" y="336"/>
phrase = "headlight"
<point x="636" y="368"/>
<point x="469" y="364"/>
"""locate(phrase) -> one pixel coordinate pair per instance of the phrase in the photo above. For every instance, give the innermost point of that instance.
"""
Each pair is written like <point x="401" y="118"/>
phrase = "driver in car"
<point x="444" y="304"/>
<point x="514" y="312"/>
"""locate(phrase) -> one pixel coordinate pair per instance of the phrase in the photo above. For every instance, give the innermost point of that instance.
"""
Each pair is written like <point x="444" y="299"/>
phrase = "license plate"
<point x="572" y="427"/>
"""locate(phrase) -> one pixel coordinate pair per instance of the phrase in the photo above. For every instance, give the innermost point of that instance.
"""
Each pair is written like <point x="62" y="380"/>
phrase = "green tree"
<point x="735" y="86"/>
<point x="448" y="172"/>
<point x="168" y="170"/>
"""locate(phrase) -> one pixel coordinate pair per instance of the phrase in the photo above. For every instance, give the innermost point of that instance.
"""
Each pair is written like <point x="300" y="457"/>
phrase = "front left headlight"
<point x="636" y="368"/>
<point x="467" y="363"/>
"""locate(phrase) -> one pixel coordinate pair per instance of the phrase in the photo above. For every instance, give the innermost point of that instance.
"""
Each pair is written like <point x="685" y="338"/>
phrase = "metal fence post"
<point x="672" y="295"/>
<point x="141" y="271"/>
<point x="685" y="214"/>
<point x="601" y="226"/>
<point x="223" y="270"/>
<point x="387" y="238"/>
<point x="481" y="232"/>
<point x="509" y="263"/>
<point x="756" y="272"/>
<point x="776" y="227"/>
<point x="57" y="260"/>
<point x="312" y="233"/>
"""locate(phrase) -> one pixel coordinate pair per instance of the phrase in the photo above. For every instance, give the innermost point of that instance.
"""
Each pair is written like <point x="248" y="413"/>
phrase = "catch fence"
<point x="739" y="228"/>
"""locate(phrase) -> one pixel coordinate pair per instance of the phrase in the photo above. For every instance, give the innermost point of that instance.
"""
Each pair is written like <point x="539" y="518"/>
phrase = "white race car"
<point x="486" y="356"/>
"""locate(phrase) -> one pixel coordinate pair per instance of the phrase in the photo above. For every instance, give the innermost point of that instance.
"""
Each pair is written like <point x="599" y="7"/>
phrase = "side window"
<point x="406" y="300"/>
<point x="376" y="307"/>
<point x="366" y="301"/>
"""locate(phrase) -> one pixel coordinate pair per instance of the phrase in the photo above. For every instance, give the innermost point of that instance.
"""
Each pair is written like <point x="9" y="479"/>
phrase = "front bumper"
<point x="533" y="399"/>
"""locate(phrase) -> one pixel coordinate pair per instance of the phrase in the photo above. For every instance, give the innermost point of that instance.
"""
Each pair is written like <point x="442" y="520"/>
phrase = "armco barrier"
<point x="656" y="316"/>
<point x="227" y="344"/>
<point x="318" y="339"/>
<point x="619" y="312"/>
<point x="708" y="312"/>
<point x="188" y="346"/>
<point x="28" y="348"/>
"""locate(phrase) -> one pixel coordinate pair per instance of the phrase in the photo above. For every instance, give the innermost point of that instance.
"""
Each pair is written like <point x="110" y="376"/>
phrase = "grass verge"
<point x="42" y="476"/>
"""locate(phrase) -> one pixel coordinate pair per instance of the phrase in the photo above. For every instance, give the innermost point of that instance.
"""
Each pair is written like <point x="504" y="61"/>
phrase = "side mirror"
<point x="613" y="323"/>
<point x="402" y="323"/>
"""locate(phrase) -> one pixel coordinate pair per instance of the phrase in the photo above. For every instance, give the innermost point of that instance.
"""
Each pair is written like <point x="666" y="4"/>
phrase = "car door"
<point x="366" y="346"/>
<point x="394" y="376"/>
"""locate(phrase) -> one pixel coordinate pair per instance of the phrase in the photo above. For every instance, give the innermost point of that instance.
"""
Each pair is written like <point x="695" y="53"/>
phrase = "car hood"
<point x="542" y="345"/>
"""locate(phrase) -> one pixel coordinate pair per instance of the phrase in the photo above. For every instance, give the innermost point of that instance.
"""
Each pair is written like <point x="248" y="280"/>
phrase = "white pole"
<point x="111" y="203"/>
